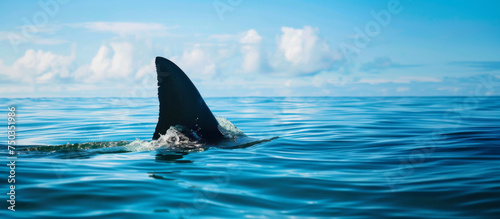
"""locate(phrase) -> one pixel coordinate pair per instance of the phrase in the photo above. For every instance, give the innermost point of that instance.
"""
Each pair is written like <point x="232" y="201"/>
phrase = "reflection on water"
<point x="169" y="157"/>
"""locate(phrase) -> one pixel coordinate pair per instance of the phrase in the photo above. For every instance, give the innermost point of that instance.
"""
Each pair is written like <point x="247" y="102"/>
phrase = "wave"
<point x="175" y="138"/>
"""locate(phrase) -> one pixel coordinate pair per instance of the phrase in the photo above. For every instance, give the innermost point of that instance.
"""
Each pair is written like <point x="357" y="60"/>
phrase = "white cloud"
<point x="329" y="78"/>
<point x="111" y="62"/>
<point x="146" y="69"/>
<point x="197" y="62"/>
<point x="302" y="51"/>
<point x="39" y="67"/>
<point x="17" y="90"/>
<point x="402" y="89"/>
<point x="251" y="51"/>
<point x="5" y="35"/>
<point x="399" y="80"/>
<point x="251" y="37"/>
<point x="47" y="41"/>
<point x="17" y="38"/>
<point x="126" y="28"/>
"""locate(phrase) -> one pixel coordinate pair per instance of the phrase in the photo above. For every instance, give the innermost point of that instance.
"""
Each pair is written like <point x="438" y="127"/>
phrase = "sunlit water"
<point x="334" y="157"/>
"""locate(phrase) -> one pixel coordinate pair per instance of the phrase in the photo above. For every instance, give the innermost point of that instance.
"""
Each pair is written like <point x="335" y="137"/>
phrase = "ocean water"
<point x="334" y="157"/>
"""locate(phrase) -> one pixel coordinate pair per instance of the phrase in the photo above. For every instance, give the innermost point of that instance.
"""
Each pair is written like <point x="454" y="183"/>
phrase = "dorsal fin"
<point x="182" y="104"/>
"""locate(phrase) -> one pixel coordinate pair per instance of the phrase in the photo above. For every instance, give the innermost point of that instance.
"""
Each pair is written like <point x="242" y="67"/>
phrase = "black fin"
<point x="182" y="104"/>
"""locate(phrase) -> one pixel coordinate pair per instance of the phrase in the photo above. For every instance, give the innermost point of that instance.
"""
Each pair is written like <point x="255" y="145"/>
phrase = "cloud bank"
<point x="298" y="61"/>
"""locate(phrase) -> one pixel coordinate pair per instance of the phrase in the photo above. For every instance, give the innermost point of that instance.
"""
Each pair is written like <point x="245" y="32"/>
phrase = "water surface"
<point x="343" y="157"/>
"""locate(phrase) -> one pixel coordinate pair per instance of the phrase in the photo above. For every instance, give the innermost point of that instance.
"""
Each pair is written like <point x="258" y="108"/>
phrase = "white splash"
<point x="175" y="138"/>
<point x="228" y="129"/>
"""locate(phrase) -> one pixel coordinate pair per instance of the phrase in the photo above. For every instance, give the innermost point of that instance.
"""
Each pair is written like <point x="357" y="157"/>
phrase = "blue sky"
<point x="251" y="48"/>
